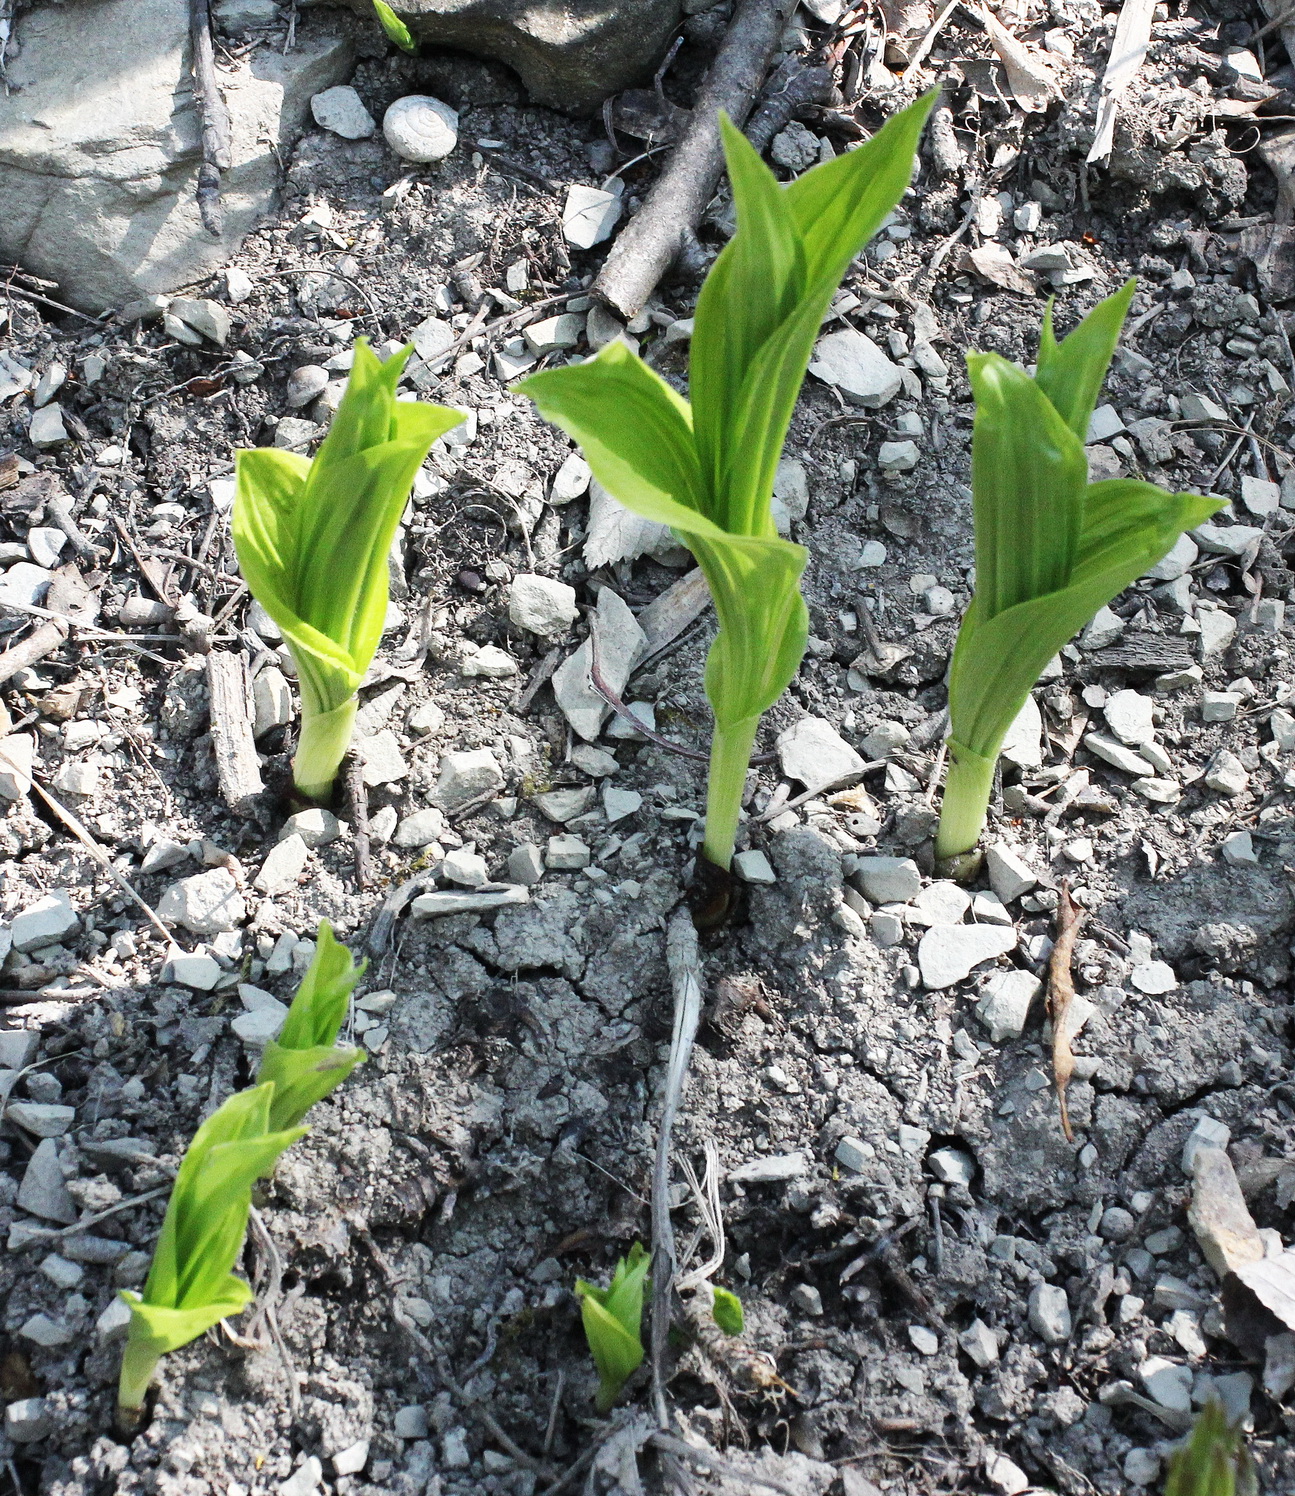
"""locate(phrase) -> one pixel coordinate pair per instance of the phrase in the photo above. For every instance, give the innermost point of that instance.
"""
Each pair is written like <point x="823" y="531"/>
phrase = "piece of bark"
<point x="42" y="640"/>
<point x="790" y="91"/>
<point x="671" y="211"/>
<point x="232" y="713"/>
<point x="217" y="141"/>
<point x="1061" y="993"/>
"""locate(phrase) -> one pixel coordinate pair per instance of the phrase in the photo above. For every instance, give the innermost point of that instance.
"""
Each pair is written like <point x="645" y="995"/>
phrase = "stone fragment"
<point x="1167" y="1383"/>
<point x="466" y="774"/>
<point x="46" y="428"/>
<point x="207" y="318"/>
<point x="1226" y="774"/>
<point x="1005" y="1475"/>
<point x="17" y="759"/>
<point x="1049" y="1313"/>
<point x="1005" y="1003"/>
<point x="1023" y="743"/>
<point x="420" y="829"/>
<point x="294" y="435"/>
<point x="948" y="953"/>
<point x="925" y="1342"/>
<point x="1225" y="540"/>
<point x="941" y="903"/>
<point x="114" y="1323"/>
<point x="468" y="900"/>
<point x="562" y="806"/>
<point x="45" y="545"/>
<point x="1218" y="1215"/>
<point x="411" y="1422"/>
<point x="852" y="363"/>
<point x="42" y="1119"/>
<point x="382" y="761"/>
<point x="27" y="1419"/>
<point x="526" y="864"/>
<point x="1261" y="496"/>
<point x="887" y="880"/>
<point x="1200" y="410"/>
<point x="1128" y="715"/>
<point x="589" y="215"/>
<point x="1104" y="629"/>
<point x="620" y="645"/>
<point x="490" y="662"/>
<point x="17" y="1048"/>
<point x="1218" y="629"/>
<point x="980" y="1343"/>
<point x="554" y="334"/>
<point x="197" y="970"/>
<point x="1238" y="850"/>
<point x="1155" y="978"/>
<point x="341" y="110"/>
<point x="1103" y="424"/>
<point x="898" y="457"/>
<point x="272" y="701"/>
<point x="753" y="867"/>
<point x="420" y="128"/>
<point x="1176" y="562"/>
<point x="541" y="605"/>
<point x="207" y="903"/>
<point x="571" y="481"/>
<point x="1219" y="706"/>
<point x="952" y="1166"/>
<point x="46" y="922"/>
<point x="283" y="867"/>
<point x="1009" y="875"/>
<point x="316" y="827"/>
<point x="813" y="752"/>
<point x="854" y="1154"/>
<point x="25" y="584"/>
<point x="1208" y="1133"/>
<point x="617" y="803"/>
<point x="886" y="929"/>
<point x="1113" y="752"/>
<point x="43" y="1191"/>
<point x="78" y="780"/>
<point x="772" y="1169"/>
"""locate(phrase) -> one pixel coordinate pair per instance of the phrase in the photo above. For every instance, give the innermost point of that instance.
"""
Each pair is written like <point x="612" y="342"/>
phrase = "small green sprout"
<point x="312" y="541"/>
<point x="1214" y="1461"/>
<point x="613" y="1321"/>
<point x="395" y="28"/>
<point x="191" y="1285"/>
<point x="727" y="1312"/>
<point x="1051" y="548"/>
<point x="707" y="468"/>
<point x="305" y="1063"/>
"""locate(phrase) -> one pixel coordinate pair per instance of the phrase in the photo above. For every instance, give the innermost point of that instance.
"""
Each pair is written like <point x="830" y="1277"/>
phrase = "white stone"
<point x="564" y="805"/>
<point x="854" y="1154"/>
<point x="27" y="1420"/>
<point x="753" y="867"/>
<point x="17" y="1048"/>
<point x="466" y="774"/>
<point x="1260" y="496"/>
<point x="81" y="780"/>
<point x="812" y="751"/>
<point x="887" y="880"/>
<point x="1005" y="1002"/>
<point x="205" y="316"/>
<point x="948" y="953"/>
<point x="1219" y="706"/>
<point x="885" y="738"/>
<point x="617" y="804"/>
<point x="898" y="457"/>
<point x="1154" y="978"/>
<point x="566" y="853"/>
<point x="1226" y="774"/>
<point x="980" y="1343"/>
<point x="420" y="128"/>
<point x="1226" y="540"/>
<point x="1049" y="1313"/>
<point x="1200" y="410"/>
<point x="1009" y="875"/>
<point x="1176" y="562"/>
<point x="988" y="909"/>
<point x="197" y="970"/>
<point x="304" y="1480"/>
<point x="426" y="718"/>
<point x="259" y="1025"/>
<point x="925" y="1342"/>
<point x="1110" y="751"/>
<point x="42" y="1119"/>
<point x="17" y="759"/>
<point x="294" y="435"/>
<point x="420" y="829"/>
<point x="1238" y="850"/>
<point x="1103" y="424"/>
<point x="589" y="215"/>
<point x="489" y="662"/>
<point x="1207" y="1133"/>
<point x="952" y="1166"/>
<point x="45" y="545"/>
<point x="465" y="868"/>
<point x="886" y="929"/>
<point x="46" y="922"/>
<point x="468" y="900"/>
<point x="852" y="363"/>
<point x="941" y="903"/>
<point x="571" y="481"/>
<point x="541" y="605"/>
<point x="114" y="1323"/>
<point x="772" y="1169"/>
<point x="1104" y="629"/>
<point x="381" y="758"/>
<point x="1023" y="745"/>
<point x="206" y="903"/>
<point x="1005" y="1475"/>
<point x="282" y="869"/>
<point x="1218" y="629"/>
<point x="1128" y="715"/>
<point x="46" y="428"/>
<point x="553" y="334"/>
<point x="316" y="827"/>
<point x="620" y="645"/>
<point x="341" y="110"/>
<point x="432" y="339"/>
<point x="352" y="1459"/>
<point x="43" y="1191"/>
<point x="526" y="864"/>
<point x="1168" y="1383"/>
<point x="1141" y="1466"/>
<point x="25" y="583"/>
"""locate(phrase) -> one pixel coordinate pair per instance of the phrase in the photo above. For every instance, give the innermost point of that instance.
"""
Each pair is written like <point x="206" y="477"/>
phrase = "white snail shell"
<point x="420" y="128"/>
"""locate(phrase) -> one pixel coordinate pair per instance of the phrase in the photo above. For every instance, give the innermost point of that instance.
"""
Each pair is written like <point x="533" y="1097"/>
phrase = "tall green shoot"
<point x="706" y="469"/>
<point x="613" y="1323"/>
<point x="305" y="1062"/>
<point x="191" y="1284"/>
<point x="1051" y="548"/>
<point x="312" y="539"/>
<point x="395" y="28"/>
<point x="1214" y="1461"/>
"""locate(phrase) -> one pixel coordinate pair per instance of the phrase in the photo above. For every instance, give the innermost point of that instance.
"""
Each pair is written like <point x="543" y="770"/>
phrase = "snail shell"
<point x="420" y="128"/>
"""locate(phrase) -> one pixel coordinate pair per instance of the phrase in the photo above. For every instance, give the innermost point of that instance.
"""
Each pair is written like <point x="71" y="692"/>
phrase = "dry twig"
<point x="1061" y="990"/>
<point x="217" y="144"/>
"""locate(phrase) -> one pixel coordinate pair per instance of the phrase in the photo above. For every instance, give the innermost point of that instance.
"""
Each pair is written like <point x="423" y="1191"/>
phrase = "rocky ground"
<point x="942" y="1292"/>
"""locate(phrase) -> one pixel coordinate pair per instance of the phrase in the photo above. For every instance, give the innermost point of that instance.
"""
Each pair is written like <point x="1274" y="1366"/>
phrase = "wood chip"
<point x="232" y="713"/>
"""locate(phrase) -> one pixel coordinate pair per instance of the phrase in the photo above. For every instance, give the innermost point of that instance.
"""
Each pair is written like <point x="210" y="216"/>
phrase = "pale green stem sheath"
<point x="730" y="757"/>
<point x="325" y="737"/>
<point x="138" y="1363"/>
<point x="966" y="801"/>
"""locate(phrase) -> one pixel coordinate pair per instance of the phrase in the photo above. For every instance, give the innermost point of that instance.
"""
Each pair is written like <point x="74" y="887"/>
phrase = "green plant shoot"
<point x="727" y="1312"/>
<point x="1214" y="1461"/>
<point x="305" y="1062"/>
<point x="706" y="469"/>
<point x="613" y="1321"/>
<point x="395" y="28"/>
<point x="191" y="1284"/>
<point x="312" y="539"/>
<point x="1051" y="548"/>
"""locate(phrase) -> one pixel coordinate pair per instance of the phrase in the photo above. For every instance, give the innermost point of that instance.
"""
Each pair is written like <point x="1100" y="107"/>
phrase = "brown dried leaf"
<point x="1061" y="992"/>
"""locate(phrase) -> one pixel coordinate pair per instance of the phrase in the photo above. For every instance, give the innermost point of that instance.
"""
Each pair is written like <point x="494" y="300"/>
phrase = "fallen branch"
<point x="791" y="89"/>
<point x="232" y="713"/>
<point x="40" y="642"/>
<point x="358" y="800"/>
<point x="649" y="244"/>
<point x="217" y="143"/>
<point x="1061" y="991"/>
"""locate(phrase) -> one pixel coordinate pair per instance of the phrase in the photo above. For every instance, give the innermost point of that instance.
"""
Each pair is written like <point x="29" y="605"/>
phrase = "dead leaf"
<point x="1128" y="52"/>
<point x="1028" y="75"/>
<point x="617" y="534"/>
<point x="1061" y="993"/>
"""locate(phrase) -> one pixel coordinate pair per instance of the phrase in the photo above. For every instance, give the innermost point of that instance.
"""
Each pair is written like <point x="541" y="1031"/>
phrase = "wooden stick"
<point x="1061" y="992"/>
<point x="217" y="142"/>
<point x="650" y="242"/>
<point x="358" y="799"/>
<point x="232" y="713"/>
<point x="39" y="643"/>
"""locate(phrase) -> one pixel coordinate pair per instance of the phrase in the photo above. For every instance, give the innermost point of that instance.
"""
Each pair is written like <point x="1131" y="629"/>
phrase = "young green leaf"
<point x="312" y="540"/>
<point x="727" y="1312"/>
<point x="191" y="1284"/>
<point x="613" y="1321"/>
<point x="707" y="469"/>
<point x="1214" y="1461"/>
<point x="305" y="1062"/>
<point x="1051" y="548"/>
<point x="395" y="28"/>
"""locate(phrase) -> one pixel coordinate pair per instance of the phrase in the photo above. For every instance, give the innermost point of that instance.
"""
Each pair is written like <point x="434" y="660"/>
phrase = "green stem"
<point x="325" y="737"/>
<point x="966" y="801"/>
<point x="138" y="1363"/>
<point x="730" y="757"/>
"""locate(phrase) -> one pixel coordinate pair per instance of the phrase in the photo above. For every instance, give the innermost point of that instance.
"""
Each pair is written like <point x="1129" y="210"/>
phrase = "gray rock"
<point x="566" y="853"/>
<point x="25" y="583"/>
<point x="27" y="1420"/>
<point x="382" y="759"/>
<point x="1225" y="773"/>
<point x="753" y="867"/>
<point x="887" y="880"/>
<point x="541" y="605"/>
<point x="17" y="759"/>
<point x="468" y="900"/>
<point x="980" y="1343"/>
<point x="207" y="318"/>
<point x="410" y="1422"/>
<point x="465" y="868"/>
<point x="1010" y="875"/>
<point x="570" y="54"/>
<point x="17" y="1048"/>
<point x="854" y="1154"/>
<point x="1225" y="540"/>
<point x="898" y="457"/>
<point x="41" y="1119"/>
<point x="813" y="752"/>
<point x="143" y="612"/>
<point x="432" y="339"/>
<point x="589" y="215"/>
<point x="1116" y="754"/>
<point x="45" y="922"/>
<point x="620" y="644"/>
<point x="236" y="15"/>
<point x="1200" y="410"/>
<point x="853" y="364"/>
<point x="773" y="1169"/>
<point x="1104" y="629"/>
<point x="46" y="428"/>
<point x="948" y="953"/>
<point x="282" y="867"/>
<point x="1176" y="562"/>
<point x="46" y="1332"/>
<point x="617" y="804"/>
<point x="114" y="1323"/>
<point x="206" y="903"/>
<point x="1128" y="715"/>
<point x="304" y="383"/>
<point x="1049" y="1313"/>
<point x="561" y="806"/>
<point x="952" y="1166"/>
<point x="421" y="128"/>
<point x="101" y="199"/>
<point x="1004" y="1005"/>
<point x="1103" y="424"/>
<point x="45" y="545"/>
<point x="420" y="829"/>
<point x="942" y="903"/>
<point x="316" y="827"/>
<point x="806" y="1299"/>
<point x="1218" y="629"/>
<point x="526" y="864"/>
<point x="554" y="334"/>
<point x="571" y="481"/>
<point x="1168" y="1383"/>
<point x="43" y="1191"/>
<point x="466" y="774"/>
<point x="341" y="110"/>
<point x="197" y="970"/>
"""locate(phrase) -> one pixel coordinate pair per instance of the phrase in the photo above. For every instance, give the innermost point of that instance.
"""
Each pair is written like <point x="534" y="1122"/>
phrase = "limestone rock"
<point x="100" y="146"/>
<point x="207" y="903"/>
<point x="571" y="54"/>
<point x="948" y="953"/>
<point x="541" y="605"/>
<point x="813" y="752"/>
<point x="421" y="128"/>
<point x="853" y="363"/>
<point x="341" y="110"/>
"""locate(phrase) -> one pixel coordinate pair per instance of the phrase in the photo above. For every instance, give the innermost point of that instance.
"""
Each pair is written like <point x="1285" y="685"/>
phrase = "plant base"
<point x="712" y="894"/>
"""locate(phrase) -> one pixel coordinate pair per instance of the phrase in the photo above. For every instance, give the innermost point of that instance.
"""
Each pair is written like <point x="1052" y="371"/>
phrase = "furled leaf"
<point x="1214" y="1461"/>
<point x="613" y="1318"/>
<point x="395" y="28"/>
<point x="305" y="1063"/>
<point x="727" y="1312"/>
